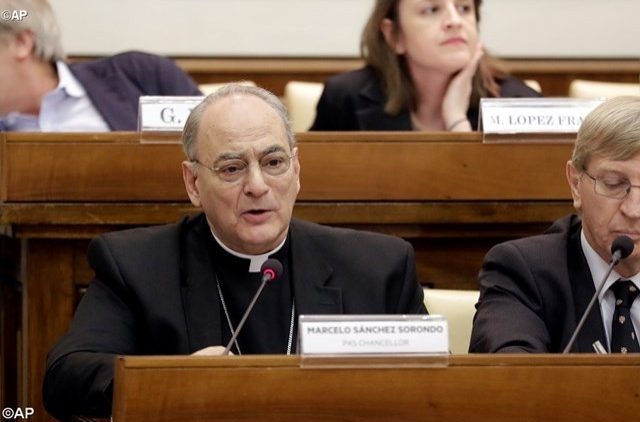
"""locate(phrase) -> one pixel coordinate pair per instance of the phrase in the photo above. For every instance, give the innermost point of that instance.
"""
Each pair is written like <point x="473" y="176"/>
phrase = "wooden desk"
<point x="450" y="195"/>
<point x="554" y="75"/>
<point x="490" y="388"/>
<point x="273" y="73"/>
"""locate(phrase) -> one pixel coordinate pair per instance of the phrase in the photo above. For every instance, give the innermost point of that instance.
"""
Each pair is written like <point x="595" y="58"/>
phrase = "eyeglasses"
<point x="231" y="171"/>
<point x="611" y="187"/>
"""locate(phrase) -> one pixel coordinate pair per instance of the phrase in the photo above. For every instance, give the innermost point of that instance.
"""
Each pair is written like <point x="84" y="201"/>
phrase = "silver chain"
<point x="226" y="314"/>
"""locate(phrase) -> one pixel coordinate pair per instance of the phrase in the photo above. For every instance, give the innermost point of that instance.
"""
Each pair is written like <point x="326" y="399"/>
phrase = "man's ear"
<point x="574" y="177"/>
<point x="389" y="30"/>
<point x="23" y="45"/>
<point x="296" y="168"/>
<point x="190" y="177"/>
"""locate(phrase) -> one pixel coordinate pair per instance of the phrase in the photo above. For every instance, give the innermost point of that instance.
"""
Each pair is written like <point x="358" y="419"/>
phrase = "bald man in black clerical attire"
<point x="182" y="288"/>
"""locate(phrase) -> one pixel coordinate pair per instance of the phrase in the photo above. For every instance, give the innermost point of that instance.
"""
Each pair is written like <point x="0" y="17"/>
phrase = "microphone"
<point x="271" y="270"/>
<point x="621" y="247"/>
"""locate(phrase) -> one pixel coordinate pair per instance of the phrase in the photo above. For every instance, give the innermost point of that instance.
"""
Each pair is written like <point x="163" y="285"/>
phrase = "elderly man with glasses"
<point x="534" y="291"/>
<point x="182" y="288"/>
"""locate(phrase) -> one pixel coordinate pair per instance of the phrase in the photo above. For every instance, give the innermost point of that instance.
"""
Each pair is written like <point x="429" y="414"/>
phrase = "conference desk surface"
<point x="478" y="388"/>
<point x="450" y="195"/>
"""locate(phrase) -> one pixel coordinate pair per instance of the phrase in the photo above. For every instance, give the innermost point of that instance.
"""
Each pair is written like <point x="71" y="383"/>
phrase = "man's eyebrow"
<point x="225" y="156"/>
<point x="607" y="169"/>
<point x="242" y="156"/>
<point x="271" y="149"/>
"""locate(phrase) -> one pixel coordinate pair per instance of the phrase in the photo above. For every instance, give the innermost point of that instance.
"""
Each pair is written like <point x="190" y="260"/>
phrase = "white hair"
<point x="40" y="21"/>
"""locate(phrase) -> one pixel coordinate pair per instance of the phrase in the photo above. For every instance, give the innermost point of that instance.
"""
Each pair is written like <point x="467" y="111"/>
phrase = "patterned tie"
<point x="623" y="336"/>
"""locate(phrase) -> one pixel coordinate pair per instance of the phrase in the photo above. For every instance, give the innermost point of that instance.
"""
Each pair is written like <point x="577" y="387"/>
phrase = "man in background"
<point x="39" y="91"/>
<point x="534" y="291"/>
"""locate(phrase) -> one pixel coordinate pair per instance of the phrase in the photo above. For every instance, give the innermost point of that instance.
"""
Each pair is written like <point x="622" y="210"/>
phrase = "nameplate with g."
<point x="373" y="334"/>
<point x="534" y="115"/>
<point x="165" y="114"/>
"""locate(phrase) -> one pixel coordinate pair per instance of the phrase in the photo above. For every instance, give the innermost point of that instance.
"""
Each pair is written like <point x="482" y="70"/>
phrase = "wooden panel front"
<point x="419" y="171"/>
<point x="335" y="167"/>
<point x="467" y="388"/>
<point x="49" y="297"/>
<point x="72" y="167"/>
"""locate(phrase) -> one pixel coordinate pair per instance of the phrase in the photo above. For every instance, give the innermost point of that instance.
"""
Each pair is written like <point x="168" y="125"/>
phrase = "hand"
<point x="456" y="100"/>
<point x="210" y="351"/>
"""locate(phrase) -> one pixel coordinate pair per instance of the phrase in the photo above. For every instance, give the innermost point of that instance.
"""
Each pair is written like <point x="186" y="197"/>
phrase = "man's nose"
<point x="255" y="183"/>
<point x="631" y="203"/>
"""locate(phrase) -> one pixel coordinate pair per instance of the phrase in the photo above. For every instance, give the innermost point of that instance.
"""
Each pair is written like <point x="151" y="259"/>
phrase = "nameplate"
<point x="165" y="114"/>
<point x="534" y="115"/>
<point x="372" y="334"/>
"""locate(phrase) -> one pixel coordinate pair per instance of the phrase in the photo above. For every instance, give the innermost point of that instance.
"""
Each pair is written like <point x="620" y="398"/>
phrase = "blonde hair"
<point x="393" y="73"/>
<point x="611" y="130"/>
<point x="40" y="21"/>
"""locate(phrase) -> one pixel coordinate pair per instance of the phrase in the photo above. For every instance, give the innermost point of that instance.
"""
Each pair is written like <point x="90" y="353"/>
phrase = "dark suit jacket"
<point x="354" y="101"/>
<point x="533" y="292"/>
<point x="154" y="293"/>
<point x="114" y="84"/>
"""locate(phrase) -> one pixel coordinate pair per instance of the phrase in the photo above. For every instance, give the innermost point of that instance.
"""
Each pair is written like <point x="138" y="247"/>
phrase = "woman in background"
<point x="426" y="70"/>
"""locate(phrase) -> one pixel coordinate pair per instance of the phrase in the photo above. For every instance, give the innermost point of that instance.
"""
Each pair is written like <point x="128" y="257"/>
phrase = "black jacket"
<point x="533" y="292"/>
<point x="114" y="84"/>
<point x="354" y="101"/>
<point x="154" y="293"/>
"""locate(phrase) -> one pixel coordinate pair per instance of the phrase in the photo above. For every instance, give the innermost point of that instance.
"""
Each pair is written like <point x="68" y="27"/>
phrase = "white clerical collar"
<point x="599" y="267"/>
<point x="256" y="260"/>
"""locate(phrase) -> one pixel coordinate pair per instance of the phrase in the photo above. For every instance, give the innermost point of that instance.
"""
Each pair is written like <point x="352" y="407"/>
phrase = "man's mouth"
<point x="257" y="216"/>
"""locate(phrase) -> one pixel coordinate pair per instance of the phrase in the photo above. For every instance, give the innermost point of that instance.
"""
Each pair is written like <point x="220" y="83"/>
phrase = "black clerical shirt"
<point x="266" y="331"/>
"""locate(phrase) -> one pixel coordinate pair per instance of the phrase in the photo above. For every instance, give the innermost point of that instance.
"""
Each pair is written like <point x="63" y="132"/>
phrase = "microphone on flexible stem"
<point x="271" y="270"/>
<point x="621" y="247"/>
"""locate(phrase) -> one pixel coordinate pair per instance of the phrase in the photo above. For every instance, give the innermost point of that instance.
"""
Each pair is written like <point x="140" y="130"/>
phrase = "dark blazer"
<point x="354" y="101"/>
<point x="114" y="84"/>
<point x="154" y="293"/>
<point x="533" y="292"/>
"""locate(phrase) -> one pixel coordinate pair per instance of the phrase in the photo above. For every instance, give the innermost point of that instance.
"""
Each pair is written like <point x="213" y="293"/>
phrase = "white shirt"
<point x="598" y="268"/>
<point x="65" y="109"/>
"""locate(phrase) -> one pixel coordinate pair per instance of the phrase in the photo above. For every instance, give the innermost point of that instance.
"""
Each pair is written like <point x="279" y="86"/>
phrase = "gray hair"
<point x="192" y="126"/>
<point x="41" y="21"/>
<point x="611" y="130"/>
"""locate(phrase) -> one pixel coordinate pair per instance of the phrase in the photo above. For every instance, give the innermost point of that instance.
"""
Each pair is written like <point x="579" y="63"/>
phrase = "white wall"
<point x="510" y="28"/>
<point x="562" y="28"/>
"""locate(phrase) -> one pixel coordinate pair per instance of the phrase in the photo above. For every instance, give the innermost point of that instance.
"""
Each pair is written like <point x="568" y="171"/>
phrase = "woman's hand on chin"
<point x="456" y="100"/>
